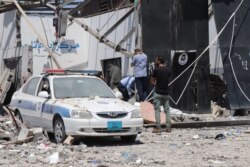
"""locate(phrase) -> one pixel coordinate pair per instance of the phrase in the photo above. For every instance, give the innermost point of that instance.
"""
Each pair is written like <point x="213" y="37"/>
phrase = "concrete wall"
<point x="7" y="30"/>
<point x="7" y="36"/>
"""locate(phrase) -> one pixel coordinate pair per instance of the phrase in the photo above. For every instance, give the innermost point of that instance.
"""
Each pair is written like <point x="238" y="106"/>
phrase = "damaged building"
<point x="100" y="32"/>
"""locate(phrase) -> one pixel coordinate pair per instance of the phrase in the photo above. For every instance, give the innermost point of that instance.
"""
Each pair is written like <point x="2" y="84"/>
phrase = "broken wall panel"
<point x="15" y="62"/>
<point x="240" y="50"/>
<point x="8" y="30"/>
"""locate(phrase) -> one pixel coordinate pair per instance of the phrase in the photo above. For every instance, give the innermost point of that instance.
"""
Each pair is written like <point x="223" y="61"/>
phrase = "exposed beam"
<point x="95" y="33"/>
<point x="9" y="7"/>
<point x="111" y="29"/>
<point x="98" y="36"/>
<point x="129" y="34"/>
<point x="37" y="34"/>
<point x="65" y="3"/>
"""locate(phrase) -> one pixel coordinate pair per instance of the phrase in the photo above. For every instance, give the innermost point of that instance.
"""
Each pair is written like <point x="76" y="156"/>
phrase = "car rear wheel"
<point x="19" y="116"/>
<point x="59" y="130"/>
<point x="128" y="139"/>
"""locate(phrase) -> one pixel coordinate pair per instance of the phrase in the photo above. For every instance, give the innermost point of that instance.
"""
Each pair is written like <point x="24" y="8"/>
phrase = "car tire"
<point x="59" y="130"/>
<point x="129" y="139"/>
<point x="19" y="116"/>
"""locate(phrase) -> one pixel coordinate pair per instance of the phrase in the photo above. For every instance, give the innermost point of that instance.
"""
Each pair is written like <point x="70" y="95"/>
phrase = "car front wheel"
<point x="129" y="139"/>
<point x="59" y="130"/>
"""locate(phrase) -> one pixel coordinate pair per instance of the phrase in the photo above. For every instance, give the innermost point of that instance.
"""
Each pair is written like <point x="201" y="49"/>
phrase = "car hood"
<point x="97" y="104"/>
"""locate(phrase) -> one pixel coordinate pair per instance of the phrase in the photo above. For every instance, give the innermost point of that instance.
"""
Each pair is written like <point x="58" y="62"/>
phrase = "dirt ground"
<point x="181" y="147"/>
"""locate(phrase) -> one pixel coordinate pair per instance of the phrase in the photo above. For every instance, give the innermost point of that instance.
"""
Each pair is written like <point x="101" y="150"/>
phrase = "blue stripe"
<point x="52" y="109"/>
<point x="46" y="108"/>
<point x="64" y="112"/>
<point x="24" y="104"/>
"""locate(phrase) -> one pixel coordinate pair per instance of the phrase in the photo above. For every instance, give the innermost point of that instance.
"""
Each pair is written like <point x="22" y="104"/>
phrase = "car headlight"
<point x="136" y="114"/>
<point x="81" y="114"/>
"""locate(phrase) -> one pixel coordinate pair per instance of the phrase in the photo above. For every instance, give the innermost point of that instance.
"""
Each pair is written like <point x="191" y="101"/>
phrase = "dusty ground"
<point x="182" y="147"/>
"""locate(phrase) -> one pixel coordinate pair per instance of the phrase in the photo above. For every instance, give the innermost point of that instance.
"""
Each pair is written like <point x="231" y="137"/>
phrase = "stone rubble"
<point x="174" y="149"/>
<point x="219" y="146"/>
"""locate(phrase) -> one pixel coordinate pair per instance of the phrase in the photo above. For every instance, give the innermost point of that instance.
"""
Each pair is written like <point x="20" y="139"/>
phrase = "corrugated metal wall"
<point x="173" y="25"/>
<point x="240" y="50"/>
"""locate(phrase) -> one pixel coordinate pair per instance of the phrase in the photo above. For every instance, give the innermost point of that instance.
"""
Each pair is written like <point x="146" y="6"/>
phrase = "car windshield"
<point x="76" y="87"/>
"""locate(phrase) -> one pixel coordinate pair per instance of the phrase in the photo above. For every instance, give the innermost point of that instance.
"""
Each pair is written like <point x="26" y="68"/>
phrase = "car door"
<point x="44" y="105"/>
<point x="26" y="103"/>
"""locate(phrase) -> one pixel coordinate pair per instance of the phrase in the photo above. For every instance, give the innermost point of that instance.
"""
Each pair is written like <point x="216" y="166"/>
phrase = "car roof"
<point x="70" y="72"/>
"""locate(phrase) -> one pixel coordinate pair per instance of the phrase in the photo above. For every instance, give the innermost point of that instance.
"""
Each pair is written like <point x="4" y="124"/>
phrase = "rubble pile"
<point x="22" y="146"/>
<point x="219" y="111"/>
<point x="12" y="131"/>
<point x="7" y="130"/>
<point x="179" y="116"/>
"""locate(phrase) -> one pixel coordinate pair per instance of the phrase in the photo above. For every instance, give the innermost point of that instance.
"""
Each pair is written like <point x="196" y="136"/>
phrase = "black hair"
<point x="160" y="59"/>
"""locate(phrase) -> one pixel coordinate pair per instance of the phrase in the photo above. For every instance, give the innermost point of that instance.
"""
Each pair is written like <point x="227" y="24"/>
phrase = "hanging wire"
<point x="229" y="56"/>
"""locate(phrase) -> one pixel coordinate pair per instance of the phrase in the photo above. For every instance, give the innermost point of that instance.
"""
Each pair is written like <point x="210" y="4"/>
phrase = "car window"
<point x="44" y="86"/>
<point x="30" y="86"/>
<point x="75" y="87"/>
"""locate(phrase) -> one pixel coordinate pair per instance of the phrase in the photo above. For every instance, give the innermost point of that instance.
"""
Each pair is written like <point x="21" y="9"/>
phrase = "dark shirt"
<point x="162" y="75"/>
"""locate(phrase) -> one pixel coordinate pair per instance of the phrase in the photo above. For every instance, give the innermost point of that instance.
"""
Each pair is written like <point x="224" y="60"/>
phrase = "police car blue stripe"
<point x="64" y="112"/>
<point x="51" y="109"/>
<point x="23" y="105"/>
<point x="46" y="108"/>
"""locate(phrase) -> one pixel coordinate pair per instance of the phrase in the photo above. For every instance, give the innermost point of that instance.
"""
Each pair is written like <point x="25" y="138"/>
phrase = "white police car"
<point x="69" y="103"/>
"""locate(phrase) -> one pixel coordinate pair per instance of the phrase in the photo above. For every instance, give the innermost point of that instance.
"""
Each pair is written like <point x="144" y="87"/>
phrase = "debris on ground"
<point x="69" y="140"/>
<point x="220" y="136"/>
<point x="190" y="147"/>
<point x="196" y="137"/>
<point x="219" y="111"/>
<point x="22" y="146"/>
<point x="12" y="131"/>
<point x="148" y="114"/>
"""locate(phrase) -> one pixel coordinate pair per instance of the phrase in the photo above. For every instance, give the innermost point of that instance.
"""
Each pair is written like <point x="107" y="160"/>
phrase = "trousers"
<point x="141" y="86"/>
<point x="162" y="100"/>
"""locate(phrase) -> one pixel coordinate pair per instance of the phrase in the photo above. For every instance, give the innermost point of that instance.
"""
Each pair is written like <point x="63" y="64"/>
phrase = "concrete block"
<point x="57" y="157"/>
<point x="37" y="133"/>
<point x="69" y="140"/>
<point x="24" y="133"/>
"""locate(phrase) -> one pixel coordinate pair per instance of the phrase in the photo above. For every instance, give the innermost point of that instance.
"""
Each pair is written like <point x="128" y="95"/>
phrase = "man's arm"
<point x="133" y="62"/>
<point x="153" y="80"/>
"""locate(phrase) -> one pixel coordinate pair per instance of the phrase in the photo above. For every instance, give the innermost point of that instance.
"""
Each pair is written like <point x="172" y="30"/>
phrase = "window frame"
<point x="27" y="86"/>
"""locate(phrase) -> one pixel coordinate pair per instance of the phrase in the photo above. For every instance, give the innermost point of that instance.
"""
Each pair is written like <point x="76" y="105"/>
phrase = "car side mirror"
<point x="44" y="94"/>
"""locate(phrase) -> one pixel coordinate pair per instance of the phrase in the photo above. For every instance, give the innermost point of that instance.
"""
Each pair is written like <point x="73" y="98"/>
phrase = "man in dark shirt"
<point x="160" y="79"/>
